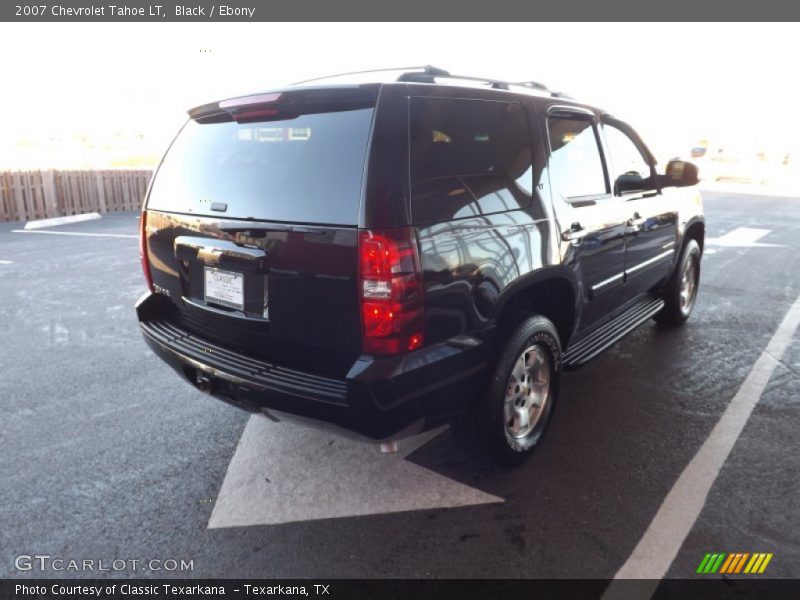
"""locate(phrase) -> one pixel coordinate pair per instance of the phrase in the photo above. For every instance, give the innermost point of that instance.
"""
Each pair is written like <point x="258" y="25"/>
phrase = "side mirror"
<point x="680" y="173"/>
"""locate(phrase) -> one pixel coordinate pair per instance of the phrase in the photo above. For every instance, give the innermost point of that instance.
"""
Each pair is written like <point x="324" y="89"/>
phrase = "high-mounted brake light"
<point x="252" y="108"/>
<point x="249" y="100"/>
<point x="254" y="115"/>
<point x="390" y="280"/>
<point x="245" y="108"/>
<point x="143" y="250"/>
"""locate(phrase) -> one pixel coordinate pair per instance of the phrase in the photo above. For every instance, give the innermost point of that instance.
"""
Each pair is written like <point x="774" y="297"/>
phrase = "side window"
<point x="576" y="168"/>
<point x="468" y="158"/>
<point x="628" y="168"/>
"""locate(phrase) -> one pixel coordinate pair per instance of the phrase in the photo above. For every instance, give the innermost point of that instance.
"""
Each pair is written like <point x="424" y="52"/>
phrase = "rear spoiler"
<point x="286" y="104"/>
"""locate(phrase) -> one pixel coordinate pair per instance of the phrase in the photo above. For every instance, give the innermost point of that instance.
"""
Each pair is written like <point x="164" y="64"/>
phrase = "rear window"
<point x="304" y="169"/>
<point x="468" y="158"/>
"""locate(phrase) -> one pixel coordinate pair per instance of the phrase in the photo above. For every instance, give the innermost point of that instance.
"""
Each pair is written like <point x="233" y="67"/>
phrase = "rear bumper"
<point x="381" y="398"/>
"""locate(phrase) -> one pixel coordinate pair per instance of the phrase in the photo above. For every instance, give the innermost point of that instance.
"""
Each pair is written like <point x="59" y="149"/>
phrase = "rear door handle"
<point x="574" y="234"/>
<point x="636" y="221"/>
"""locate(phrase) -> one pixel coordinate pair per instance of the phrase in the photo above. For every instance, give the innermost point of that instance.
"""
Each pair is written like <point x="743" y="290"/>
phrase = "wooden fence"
<point x="29" y="195"/>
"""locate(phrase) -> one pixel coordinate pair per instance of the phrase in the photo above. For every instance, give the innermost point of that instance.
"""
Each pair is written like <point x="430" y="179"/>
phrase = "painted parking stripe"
<point x="55" y="221"/>
<point x="6" y="262"/>
<point x="660" y="544"/>
<point x="284" y="472"/>
<point x="743" y="237"/>
<point x="79" y="233"/>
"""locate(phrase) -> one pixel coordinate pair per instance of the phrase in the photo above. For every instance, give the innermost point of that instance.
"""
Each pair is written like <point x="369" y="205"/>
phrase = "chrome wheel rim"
<point x="688" y="286"/>
<point x="527" y="392"/>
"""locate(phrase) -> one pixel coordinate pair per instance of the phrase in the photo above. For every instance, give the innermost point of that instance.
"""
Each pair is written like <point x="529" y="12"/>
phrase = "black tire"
<point x="676" y="310"/>
<point x="483" y="428"/>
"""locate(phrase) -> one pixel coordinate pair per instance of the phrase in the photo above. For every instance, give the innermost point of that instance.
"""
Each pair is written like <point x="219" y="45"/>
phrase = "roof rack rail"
<point x="429" y="74"/>
<point x="388" y="70"/>
<point x="534" y="85"/>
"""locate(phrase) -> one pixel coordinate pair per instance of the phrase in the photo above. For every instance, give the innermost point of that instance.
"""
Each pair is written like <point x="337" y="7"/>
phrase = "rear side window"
<point x="468" y="158"/>
<point x="303" y="169"/>
<point x="576" y="168"/>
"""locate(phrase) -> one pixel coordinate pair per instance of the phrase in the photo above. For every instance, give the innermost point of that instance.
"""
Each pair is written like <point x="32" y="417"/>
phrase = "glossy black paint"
<point x="600" y="249"/>
<point x="384" y="398"/>
<point x="307" y="273"/>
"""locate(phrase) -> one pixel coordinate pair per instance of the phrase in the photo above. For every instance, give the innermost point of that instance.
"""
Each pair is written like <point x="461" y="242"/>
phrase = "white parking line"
<point x="284" y="472"/>
<point x="742" y="237"/>
<point x="6" y="262"/>
<point x="114" y="235"/>
<point x="664" y="537"/>
<point x="41" y="223"/>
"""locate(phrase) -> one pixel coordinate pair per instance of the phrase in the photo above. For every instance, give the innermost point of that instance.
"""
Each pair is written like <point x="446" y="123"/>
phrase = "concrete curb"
<point x="41" y="223"/>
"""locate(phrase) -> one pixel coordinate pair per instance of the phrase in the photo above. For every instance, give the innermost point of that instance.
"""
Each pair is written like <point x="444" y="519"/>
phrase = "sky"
<point x="124" y="88"/>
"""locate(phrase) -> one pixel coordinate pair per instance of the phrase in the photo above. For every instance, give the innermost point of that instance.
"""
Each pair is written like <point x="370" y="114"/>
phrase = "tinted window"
<point x="468" y="157"/>
<point x="305" y="169"/>
<point x="576" y="168"/>
<point x="628" y="169"/>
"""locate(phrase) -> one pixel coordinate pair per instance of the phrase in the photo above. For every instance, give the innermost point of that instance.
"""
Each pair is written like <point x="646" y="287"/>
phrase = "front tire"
<point x="508" y="421"/>
<point x="680" y="292"/>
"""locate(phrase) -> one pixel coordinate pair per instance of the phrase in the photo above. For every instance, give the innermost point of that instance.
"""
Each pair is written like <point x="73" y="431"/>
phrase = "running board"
<point x="595" y="342"/>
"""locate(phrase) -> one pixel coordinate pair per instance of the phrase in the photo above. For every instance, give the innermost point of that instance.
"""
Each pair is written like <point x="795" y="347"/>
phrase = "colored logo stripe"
<point x="703" y="563"/>
<point x="728" y="563"/>
<point x="740" y="558"/>
<point x="721" y="562"/>
<point x="758" y="563"/>
<point x="711" y="563"/>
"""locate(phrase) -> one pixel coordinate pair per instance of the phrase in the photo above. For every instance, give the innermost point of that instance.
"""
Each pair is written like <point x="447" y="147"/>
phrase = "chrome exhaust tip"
<point x="389" y="447"/>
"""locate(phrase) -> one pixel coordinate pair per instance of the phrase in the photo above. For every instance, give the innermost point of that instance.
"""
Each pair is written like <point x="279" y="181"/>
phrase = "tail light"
<point x="390" y="281"/>
<point x="143" y="250"/>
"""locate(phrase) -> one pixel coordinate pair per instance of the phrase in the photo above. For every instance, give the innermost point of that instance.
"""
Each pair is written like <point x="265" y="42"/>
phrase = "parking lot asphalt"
<point x="106" y="454"/>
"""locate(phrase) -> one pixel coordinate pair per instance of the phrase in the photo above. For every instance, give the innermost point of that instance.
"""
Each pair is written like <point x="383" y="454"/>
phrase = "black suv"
<point x="392" y="256"/>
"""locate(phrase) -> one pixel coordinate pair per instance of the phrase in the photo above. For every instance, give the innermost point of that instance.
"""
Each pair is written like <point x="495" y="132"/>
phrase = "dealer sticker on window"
<point x="224" y="288"/>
